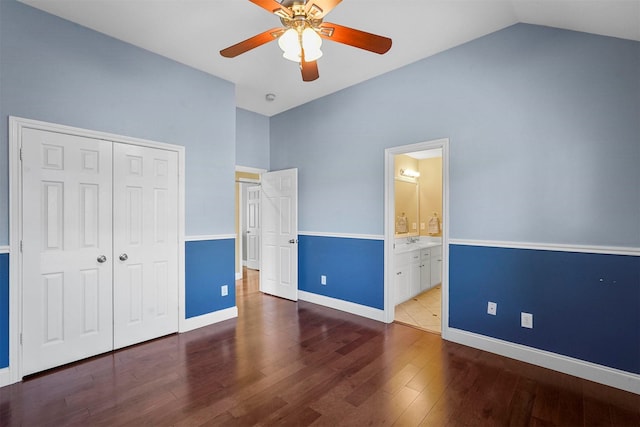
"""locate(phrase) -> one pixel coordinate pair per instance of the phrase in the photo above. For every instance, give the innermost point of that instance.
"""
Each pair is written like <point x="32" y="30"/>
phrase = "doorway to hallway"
<point x="247" y="219"/>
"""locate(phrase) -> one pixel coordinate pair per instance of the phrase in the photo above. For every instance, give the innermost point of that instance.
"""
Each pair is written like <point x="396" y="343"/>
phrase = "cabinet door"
<point x="402" y="283"/>
<point x="425" y="268"/>
<point x="436" y="266"/>
<point x="414" y="273"/>
<point x="414" y="278"/>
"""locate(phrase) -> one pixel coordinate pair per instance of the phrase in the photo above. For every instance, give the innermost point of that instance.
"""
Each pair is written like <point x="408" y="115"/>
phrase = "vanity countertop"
<point x="408" y="247"/>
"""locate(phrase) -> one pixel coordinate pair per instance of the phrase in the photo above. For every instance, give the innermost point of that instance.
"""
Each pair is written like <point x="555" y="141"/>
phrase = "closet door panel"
<point x="145" y="243"/>
<point x="66" y="257"/>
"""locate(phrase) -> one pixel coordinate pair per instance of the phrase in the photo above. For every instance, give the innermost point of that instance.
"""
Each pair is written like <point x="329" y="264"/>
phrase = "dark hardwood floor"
<point x="285" y="363"/>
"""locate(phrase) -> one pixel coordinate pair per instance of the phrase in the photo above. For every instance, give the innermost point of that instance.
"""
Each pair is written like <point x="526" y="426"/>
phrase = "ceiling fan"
<point x="302" y="32"/>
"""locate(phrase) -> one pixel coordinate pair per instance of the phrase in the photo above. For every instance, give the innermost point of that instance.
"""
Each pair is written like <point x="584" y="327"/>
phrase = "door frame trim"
<point x="389" y="226"/>
<point x="13" y="373"/>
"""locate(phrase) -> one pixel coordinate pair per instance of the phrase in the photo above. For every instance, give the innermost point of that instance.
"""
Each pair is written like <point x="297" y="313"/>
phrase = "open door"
<point x="279" y="246"/>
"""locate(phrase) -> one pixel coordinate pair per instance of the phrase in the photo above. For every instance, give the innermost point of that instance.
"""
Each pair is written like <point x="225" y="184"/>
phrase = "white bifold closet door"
<point x="145" y="241"/>
<point x="100" y="247"/>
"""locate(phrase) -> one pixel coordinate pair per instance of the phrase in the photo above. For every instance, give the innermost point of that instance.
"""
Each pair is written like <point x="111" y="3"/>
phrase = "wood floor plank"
<point x="596" y="412"/>
<point x="521" y="405"/>
<point x="381" y="408"/>
<point x="285" y="363"/>
<point x="546" y="403"/>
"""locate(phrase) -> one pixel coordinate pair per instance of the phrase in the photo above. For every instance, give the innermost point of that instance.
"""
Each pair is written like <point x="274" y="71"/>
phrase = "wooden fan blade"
<point x="316" y="9"/>
<point x="309" y="69"/>
<point x="251" y="43"/>
<point x="355" y="38"/>
<point x="272" y="6"/>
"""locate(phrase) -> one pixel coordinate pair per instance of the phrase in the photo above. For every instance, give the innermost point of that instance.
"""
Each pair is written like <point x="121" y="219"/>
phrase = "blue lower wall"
<point x="585" y="306"/>
<point x="4" y="310"/>
<point x="209" y="264"/>
<point x="354" y="268"/>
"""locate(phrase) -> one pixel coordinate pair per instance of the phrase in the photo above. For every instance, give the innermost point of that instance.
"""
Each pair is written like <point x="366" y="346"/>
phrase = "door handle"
<point x="292" y="241"/>
<point x="124" y="257"/>
<point x="101" y="259"/>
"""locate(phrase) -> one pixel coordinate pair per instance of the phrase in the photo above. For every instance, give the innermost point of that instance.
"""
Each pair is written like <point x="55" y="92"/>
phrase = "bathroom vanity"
<point x="418" y="267"/>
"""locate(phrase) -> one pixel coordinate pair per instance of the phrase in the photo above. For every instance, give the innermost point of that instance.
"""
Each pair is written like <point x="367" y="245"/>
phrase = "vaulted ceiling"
<point x="194" y="31"/>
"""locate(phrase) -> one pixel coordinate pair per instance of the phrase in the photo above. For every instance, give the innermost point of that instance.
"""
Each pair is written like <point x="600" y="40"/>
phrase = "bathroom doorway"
<point x="416" y="235"/>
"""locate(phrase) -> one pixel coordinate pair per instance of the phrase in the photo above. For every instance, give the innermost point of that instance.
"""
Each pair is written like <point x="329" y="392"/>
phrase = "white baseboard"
<point x="208" y="319"/>
<point x="338" y="304"/>
<point x="6" y="377"/>
<point x="568" y="365"/>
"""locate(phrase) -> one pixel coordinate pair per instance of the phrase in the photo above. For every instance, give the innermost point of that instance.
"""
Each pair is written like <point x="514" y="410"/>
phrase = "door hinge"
<point x="20" y="245"/>
<point x="20" y="338"/>
<point x="20" y="153"/>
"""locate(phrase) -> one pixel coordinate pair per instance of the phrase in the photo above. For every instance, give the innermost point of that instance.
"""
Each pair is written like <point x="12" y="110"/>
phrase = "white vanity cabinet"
<point x="417" y="271"/>
<point x="436" y="266"/>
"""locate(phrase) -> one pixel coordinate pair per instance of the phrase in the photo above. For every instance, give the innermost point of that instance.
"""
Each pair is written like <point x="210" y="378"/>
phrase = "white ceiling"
<point x="193" y="31"/>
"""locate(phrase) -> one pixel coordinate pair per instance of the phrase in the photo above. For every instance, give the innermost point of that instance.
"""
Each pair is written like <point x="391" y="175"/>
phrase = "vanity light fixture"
<point x="409" y="173"/>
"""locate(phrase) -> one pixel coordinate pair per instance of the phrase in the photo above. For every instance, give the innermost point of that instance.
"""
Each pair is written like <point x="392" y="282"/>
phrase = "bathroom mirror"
<point x="406" y="198"/>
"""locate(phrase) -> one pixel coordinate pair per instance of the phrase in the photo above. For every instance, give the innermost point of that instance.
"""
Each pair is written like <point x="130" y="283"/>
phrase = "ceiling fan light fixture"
<point x="311" y="43"/>
<point x="303" y="28"/>
<point x="311" y="54"/>
<point x="290" y="45"/>
<point x="289" y="42"/>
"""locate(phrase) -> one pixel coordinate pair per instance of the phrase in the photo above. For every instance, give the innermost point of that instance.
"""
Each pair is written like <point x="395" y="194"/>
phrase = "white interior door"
<point x="253" y="227"/>
<point x="145" y="242"/>
<point x="279" y="248"/>
<point x="66" y="257"/>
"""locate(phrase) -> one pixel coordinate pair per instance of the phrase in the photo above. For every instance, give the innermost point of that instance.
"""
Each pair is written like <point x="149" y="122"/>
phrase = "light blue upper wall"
<point x="544" y="130"/>
<point x="252" y="139"/>
<point x="56" y="71"/>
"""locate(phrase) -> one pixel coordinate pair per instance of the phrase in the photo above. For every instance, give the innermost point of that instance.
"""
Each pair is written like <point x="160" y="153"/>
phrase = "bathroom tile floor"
<point x="422" y="311"/>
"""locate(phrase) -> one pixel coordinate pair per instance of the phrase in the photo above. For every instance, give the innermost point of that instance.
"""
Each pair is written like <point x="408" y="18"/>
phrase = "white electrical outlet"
<point x="224" y="290"/>
<point x="492" y="308"/>
<point x="323" y="280"/>
<point x="526" y="320"/>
